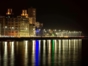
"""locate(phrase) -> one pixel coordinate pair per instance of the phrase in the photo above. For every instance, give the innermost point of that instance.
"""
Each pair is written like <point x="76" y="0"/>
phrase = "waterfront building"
<point x="20" y="26"/>
<point x="26" y="25"/>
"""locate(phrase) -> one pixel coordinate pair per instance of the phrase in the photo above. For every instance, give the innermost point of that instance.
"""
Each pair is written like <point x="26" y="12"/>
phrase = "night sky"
<point x="61" y="14"/>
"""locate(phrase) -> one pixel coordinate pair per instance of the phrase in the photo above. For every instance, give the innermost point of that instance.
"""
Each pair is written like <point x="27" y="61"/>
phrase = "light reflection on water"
<point x="60" y="52"/>
<point x="5" y="58"/>
<point x="12" y="54"/>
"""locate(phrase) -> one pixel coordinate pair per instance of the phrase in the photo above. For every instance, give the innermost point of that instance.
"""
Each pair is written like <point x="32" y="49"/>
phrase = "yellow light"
<point x="66" y="36"/>
<point x="22" y="14"/>
<point x="8" y="13"/>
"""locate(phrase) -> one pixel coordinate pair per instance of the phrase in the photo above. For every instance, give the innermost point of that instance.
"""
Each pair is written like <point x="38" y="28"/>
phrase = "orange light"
<point x="9" y="11"/>
<point x="22" y="13"/>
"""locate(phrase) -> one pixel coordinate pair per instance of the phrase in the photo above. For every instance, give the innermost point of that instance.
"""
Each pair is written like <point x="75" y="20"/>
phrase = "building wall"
<point x="24" y="27"/>
<point x="16" y="27"/>
<point x="31" y="30"/>
<point x="20" y="26"/>
<point x="2" y="26"/>
<point x="32" y="14"/>
<point x="13" y="27"/>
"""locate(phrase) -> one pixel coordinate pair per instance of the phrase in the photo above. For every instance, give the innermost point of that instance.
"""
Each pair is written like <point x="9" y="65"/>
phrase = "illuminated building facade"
<point x="26" y="25"/>
<point x="32" y="15"/>
<point x="61" y="33"/>
<point x="20" y="26"/>
<point x="14" y="27"/>
<point x="32" y="19"/>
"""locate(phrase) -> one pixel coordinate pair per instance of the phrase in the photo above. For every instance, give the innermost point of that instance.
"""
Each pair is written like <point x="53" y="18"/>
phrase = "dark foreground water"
<point x="41" y="52"/>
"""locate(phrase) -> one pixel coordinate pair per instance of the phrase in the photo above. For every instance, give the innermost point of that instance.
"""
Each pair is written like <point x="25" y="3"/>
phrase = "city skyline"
<point x="60" y="24"/>
<point x="43" y="32"/>
<point x="64" y="14"/>
<point x="26" y="25"/>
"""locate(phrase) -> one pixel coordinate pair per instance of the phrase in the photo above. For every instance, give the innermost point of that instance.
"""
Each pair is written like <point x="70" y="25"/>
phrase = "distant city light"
<point x="26" y="25"/>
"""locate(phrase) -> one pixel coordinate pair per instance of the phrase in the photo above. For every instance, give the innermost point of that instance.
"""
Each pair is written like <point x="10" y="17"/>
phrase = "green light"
<point x="52" y="57"/>
<point x="52" y="34"/>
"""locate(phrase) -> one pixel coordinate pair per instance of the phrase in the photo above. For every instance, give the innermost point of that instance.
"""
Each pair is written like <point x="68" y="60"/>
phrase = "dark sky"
<point x="61" y="14"/>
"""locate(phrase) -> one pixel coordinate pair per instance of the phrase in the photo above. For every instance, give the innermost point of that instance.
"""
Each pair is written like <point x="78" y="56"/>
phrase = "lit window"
<point x="5" y="26"/>
<point x="26" y="28"/>
<point x="12" y="27"/>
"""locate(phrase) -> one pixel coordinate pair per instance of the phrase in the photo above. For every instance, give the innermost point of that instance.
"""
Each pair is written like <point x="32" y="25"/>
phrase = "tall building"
<point x="32" y="19"/>
<point x="32" y="15"/>
<point x="20" y="26"/>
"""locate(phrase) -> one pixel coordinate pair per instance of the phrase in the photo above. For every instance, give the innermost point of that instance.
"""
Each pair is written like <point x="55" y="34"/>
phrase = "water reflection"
<point x="44" y="52"/>
<point x="33" y="53"/>
<point x="54" y="52"/>
<point x="37" y="53"/>
<point x="5" y="58"/>
<point x="52" y="55"/>
<point x="0" y="54"/>
<point x="49" y="52"/>
<point x="12" y="54"/>
<point x="26" y="53"/>
<point x="59" y="53"/>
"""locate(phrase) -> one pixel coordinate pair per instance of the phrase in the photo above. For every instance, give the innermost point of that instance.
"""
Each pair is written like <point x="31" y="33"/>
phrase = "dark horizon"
<point x="61" y="15"/>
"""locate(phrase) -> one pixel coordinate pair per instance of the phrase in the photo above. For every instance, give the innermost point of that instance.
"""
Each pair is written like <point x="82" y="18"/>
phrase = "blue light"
<point x="37" y="53"/>
<point x="37" y="30"/>
<point x="37" y="45"/>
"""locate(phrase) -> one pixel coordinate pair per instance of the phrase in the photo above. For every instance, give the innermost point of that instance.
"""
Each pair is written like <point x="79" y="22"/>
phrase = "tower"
<point x="32" y="15"/>
<point x="9" y="13"/>
<point x="24" y="13"/>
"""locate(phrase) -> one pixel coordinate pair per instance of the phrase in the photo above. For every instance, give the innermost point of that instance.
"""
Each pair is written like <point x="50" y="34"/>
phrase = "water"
<point x="66" y="52"/>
